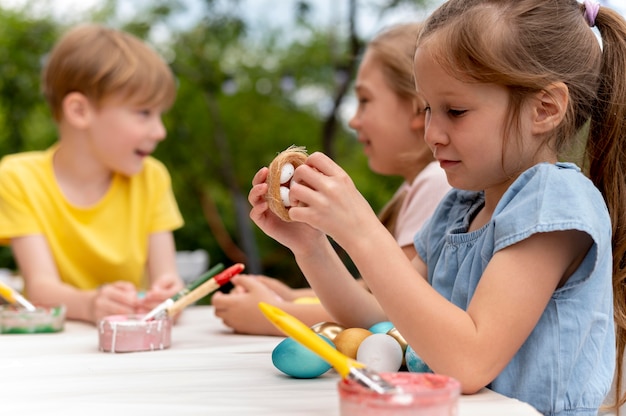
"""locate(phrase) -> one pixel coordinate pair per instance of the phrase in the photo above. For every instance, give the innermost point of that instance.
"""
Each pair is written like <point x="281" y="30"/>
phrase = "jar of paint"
<point x="40" y="321"/>
<point x="419" y="394"/>
<point x="129" y="333"/>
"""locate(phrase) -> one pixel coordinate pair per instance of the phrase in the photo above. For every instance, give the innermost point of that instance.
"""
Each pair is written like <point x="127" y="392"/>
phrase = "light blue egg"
<point x="414" y="363"/>
<point x="381" y="327"/>
<point x="296" y="360"/>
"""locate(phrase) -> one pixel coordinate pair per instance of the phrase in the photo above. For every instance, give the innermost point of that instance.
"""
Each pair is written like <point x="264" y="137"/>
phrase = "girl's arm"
<point x="240" y="309"/>
<point x="312" y="249"/>
<point x="473" y="345"/>
<point x="44" y="286"/>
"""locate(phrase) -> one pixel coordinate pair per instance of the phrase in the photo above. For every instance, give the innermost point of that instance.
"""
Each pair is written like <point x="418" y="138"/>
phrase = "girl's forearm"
<point x="343" y="297"/>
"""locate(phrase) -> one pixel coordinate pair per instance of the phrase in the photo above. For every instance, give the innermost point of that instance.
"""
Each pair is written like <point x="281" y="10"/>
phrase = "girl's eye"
<point x="456" y="113"/>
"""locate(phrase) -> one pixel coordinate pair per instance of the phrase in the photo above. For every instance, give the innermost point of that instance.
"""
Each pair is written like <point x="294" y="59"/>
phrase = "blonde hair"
<point x="99" y="62"/>
<point x="516" y="44"/>
<point x="393" y="49"/>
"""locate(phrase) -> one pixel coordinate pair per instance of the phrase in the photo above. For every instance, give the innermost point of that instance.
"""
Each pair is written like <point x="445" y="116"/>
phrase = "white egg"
<point x="284" y="195"/>
<point x="286" y="173"/>
<point x="380" y="352"/>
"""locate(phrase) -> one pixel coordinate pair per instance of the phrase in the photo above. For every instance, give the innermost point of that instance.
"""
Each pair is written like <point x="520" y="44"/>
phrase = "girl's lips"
<point x="447" y="164"/>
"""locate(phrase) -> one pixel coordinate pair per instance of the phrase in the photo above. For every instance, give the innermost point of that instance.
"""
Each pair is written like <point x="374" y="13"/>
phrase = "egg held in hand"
<point x="281" y="171"/>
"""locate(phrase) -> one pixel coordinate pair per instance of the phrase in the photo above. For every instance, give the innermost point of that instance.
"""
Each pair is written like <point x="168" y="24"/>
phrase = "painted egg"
<point x="328" y="329"/>
<point x="284" y="196"/>
<point x="381" y="327"/>
<point x="286" y="173"/>
<point x="393" y="332"/>
<point x="348" y="340"/>
<point x="414" y="363"/>
<point x="307" y="300"/>
<point x="381" y="353"/>
<point x="296" y="360"/>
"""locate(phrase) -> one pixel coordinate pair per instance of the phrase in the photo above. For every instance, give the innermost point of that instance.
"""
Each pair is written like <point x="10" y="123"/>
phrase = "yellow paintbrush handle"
<point x="7" y="293"/>
<point x="307" y="337"/>
<point x="14" y="297"/>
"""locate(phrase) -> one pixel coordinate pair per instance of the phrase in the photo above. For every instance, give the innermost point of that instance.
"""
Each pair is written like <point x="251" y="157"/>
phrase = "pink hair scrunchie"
<point x="591" y="11"/>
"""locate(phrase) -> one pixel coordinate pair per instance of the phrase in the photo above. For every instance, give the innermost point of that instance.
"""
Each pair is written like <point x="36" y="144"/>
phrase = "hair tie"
<point x="591" y="11"/>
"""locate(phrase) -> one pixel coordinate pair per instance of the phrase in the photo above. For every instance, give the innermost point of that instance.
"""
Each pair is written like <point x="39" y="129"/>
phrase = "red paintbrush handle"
<point x="224" y="277"/>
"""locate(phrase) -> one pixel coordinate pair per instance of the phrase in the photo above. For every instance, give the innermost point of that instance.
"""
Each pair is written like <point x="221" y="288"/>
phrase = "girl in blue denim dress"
<point x="512" y="285"/>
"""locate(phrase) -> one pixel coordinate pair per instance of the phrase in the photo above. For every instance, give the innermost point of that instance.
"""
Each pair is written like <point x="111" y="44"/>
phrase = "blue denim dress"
<point x="566" y="365"/>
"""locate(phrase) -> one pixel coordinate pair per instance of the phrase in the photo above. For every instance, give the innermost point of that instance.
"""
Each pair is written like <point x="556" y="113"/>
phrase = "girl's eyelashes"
<point x="456" y="113"/>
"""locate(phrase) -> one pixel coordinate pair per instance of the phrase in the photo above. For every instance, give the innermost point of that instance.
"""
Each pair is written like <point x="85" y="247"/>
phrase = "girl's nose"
<point x="434" y="134"/>
<point x="354" y="122"/>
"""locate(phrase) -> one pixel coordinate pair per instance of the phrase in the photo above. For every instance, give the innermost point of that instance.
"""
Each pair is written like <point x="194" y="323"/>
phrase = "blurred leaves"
<point x="243" y="97"/>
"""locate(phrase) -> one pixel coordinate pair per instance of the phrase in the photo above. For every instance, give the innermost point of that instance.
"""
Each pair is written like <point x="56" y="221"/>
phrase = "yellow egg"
<point x="307" y="300"/>
<point x="348" y="340"/>
<point x="398" y="337"/>
<point x="394" y="333"/>
<point x="328" y="329"/>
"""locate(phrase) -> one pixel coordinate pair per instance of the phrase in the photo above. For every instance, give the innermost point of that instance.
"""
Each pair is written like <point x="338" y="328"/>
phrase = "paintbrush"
<point x="345" y="366"/>
<point x="191" y="286"/>
<point x="173" y="306"/>
<point x="13" y="297"/>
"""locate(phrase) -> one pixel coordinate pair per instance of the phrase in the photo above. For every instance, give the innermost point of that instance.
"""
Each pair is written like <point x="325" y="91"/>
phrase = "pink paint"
<point x="422" y="394"/>
<point x="128" y="333"/>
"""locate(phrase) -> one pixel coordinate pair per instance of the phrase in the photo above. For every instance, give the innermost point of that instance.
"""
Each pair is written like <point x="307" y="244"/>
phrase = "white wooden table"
<point x="206" y="371"/>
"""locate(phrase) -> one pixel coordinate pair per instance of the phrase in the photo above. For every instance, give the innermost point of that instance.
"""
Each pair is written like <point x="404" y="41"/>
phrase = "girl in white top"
<point x="390" y="124"/>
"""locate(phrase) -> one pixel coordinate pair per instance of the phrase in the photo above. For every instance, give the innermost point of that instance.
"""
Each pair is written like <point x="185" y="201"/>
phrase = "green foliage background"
<point x="237" y="107"/>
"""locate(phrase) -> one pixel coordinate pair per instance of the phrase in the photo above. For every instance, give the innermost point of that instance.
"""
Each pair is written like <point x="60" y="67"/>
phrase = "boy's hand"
<point x="117" y="298"/>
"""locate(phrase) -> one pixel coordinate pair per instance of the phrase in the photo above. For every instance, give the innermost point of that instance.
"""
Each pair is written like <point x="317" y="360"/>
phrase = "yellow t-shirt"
<point x="95" y="245"/>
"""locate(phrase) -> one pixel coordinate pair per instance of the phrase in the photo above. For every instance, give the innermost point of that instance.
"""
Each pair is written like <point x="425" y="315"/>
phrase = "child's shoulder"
<point x="561" y="178"/>
<point x="24" y="161"/>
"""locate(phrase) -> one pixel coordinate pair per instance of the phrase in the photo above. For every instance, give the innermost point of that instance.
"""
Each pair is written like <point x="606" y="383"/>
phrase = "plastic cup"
<point x="128" y="333"/>
<point x="420" y="394"/>
<point x="40" y="321"/>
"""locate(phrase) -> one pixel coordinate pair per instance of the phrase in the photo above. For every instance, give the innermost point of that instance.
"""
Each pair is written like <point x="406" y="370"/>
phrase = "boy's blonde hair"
<point x="99" y="62"/>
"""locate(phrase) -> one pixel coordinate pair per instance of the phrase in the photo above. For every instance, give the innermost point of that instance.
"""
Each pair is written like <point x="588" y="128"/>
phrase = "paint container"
<point x="40" y="321"/>
<point x="421" y="394"/>
<point x="129" y="333"/>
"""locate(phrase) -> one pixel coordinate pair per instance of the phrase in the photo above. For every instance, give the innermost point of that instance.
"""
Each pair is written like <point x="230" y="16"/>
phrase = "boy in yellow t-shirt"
<point x="89" y="218"/>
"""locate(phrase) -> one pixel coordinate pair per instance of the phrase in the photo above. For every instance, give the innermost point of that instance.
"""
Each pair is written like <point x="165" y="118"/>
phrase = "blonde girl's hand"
<point x="239" y="309"/>
<point x="117" y="298"/>
<point x="284" y="291"/>
<point x="293" y="235"/>
<point x="327" y="199"/>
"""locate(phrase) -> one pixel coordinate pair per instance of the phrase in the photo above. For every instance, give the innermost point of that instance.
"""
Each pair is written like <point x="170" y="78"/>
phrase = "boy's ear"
<point x="549" y="108"/>
<point x="77" y="109"/>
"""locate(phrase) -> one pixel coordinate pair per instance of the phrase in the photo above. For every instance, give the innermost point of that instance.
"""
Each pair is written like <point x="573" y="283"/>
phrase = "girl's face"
<point x="388" y="126"/>
<point x="123" y="135"/>
<point x="465" y="128"/>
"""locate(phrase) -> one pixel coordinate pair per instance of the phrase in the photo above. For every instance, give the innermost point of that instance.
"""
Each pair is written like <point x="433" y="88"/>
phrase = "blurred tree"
<point x="243" y="97"/>
<point x="24" y="119"/>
